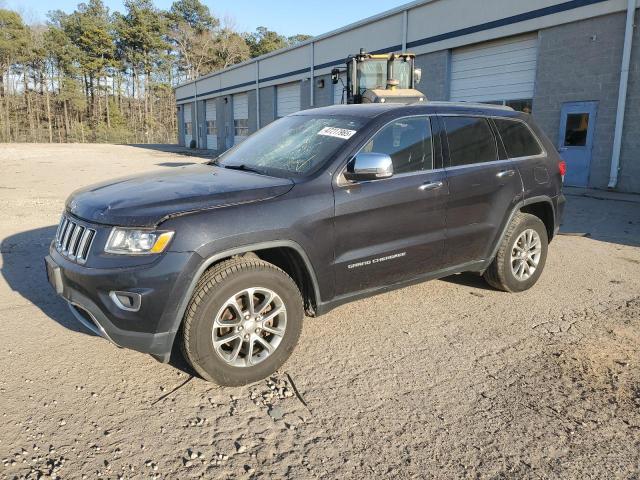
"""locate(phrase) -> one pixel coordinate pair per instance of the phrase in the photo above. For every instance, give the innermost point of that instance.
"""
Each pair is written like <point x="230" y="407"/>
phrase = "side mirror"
<point x="417" y="75"/>
<point x="335" y="76"/>
<point x="369" y="166"/>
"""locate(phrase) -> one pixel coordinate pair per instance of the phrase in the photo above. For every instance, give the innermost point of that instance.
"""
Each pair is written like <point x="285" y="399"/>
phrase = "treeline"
<point x="99" y="76"/>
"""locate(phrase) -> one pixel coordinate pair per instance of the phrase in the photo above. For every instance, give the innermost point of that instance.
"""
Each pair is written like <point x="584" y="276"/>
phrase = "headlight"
<point x="127" y="241"/>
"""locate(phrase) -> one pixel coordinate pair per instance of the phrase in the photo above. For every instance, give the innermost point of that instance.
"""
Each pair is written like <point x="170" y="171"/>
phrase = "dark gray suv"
<point x="317" y="209"/>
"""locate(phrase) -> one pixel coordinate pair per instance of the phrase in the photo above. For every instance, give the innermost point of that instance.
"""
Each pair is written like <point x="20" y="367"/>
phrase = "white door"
<point x="188" y="126"/>
<point x="495" y="71"/>
<point x="340" y="90"/>
<point x="211" y="126"/>
<point x="240" y="117"/>
<point x="287" y="99"/>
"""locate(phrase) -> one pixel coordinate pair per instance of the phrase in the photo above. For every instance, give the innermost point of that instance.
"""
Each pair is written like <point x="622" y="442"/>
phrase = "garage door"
<point x="495" y="71"/>
<point x="287" y="99"/>
<point x="212" y="130"/>
<point x="240" y="117"/>
<point x="188" y="126"/>
<point x="339" y="90"/>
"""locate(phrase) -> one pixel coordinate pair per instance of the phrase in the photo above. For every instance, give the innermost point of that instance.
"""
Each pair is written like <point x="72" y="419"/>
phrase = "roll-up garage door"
<point x="340" y="90"/>
<point x="212" y="128"/>
<point x="287" y="98"/>
<point x="188" y="126"/>
<point x="240" y="117"/>
<point x="495" y="71"/>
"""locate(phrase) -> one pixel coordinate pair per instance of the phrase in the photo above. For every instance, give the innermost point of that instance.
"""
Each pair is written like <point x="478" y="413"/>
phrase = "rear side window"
<point x="407" y="141"/>
<point x="517" y="139"/>
<point x="470" y="141"/>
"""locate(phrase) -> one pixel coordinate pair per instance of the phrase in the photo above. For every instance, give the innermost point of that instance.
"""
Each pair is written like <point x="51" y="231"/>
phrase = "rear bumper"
<point x="160" y="285"/>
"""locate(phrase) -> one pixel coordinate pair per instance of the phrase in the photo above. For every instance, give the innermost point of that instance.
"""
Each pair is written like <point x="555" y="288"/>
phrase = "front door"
<point x="577" y="127"/>
<point x="393" y="229"/>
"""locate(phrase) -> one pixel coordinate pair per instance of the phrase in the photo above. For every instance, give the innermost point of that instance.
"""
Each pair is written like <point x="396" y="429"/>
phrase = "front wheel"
<point x="243" y="321"/>
<point x="521" y="256"/>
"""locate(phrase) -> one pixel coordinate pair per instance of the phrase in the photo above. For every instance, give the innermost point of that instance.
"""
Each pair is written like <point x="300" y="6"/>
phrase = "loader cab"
<point x="380" y="78"/>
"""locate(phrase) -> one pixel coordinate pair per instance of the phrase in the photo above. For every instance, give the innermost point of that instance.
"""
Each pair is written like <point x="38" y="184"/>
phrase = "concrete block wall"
<point x="435" y="74"/>
<point x="305" y="94"/>
<point x="253" y="111"/>
<point x="220" y="117"/>
<point x="323" y="96"/>
<point x="629" y="175"/>
<point x="267" y="105"/>
<point x="580" y="61"/>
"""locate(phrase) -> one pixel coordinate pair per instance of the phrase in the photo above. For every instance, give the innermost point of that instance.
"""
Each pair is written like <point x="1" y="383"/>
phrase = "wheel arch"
<point x="285" y="254"/>
<point x="541" y="203"/>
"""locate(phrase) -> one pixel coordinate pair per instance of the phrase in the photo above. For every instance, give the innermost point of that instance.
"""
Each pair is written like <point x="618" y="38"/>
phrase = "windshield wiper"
<point x="242" y="167"/>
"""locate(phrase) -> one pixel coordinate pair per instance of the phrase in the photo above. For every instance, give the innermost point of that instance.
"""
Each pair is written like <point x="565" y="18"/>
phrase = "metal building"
<point x="574" y="64"/>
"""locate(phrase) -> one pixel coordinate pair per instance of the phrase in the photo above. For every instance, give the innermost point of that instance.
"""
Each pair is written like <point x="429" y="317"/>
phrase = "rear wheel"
<point x="521" y="256"/>
<point x="243" y="321"/>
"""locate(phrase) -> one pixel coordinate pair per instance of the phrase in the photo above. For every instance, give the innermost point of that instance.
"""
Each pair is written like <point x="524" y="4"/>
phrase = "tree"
<point x="298" y="39"/>
<point x="264" y="41"/>
<point x="14" y="41"/>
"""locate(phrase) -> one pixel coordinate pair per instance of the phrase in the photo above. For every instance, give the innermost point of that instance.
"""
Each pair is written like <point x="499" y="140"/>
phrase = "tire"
<point x="501" y="274"/>
<point x="221" y="300"/>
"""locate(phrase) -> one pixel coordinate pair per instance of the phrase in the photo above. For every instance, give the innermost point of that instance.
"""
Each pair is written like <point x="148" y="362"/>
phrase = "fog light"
<point x="129" y="301"/>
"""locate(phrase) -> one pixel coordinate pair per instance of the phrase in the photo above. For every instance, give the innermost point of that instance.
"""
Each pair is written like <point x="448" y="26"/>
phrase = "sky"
<point x="287" y="17"/>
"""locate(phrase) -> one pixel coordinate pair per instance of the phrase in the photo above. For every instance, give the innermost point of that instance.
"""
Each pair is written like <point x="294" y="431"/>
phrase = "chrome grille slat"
<point x="73" y="240"/>
<point x="67" y="236"/>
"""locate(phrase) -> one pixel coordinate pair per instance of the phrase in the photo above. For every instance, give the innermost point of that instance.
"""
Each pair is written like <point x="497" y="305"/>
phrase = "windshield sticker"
<point x="343" y="133"/>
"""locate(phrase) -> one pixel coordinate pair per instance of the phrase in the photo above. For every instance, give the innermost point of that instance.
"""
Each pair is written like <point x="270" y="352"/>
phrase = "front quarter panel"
<point x="303" y="216"/>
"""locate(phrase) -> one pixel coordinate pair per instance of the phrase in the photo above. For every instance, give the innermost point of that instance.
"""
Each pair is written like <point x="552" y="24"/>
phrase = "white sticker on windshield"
<point x="343" y="133"/>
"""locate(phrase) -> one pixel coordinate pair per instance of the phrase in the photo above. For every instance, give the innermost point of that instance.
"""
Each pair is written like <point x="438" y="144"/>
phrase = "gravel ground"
<point x="446" y="379"/>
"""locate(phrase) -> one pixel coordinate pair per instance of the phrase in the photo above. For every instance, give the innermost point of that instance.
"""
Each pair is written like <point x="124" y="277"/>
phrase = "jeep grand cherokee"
<point x="317" y="209"/>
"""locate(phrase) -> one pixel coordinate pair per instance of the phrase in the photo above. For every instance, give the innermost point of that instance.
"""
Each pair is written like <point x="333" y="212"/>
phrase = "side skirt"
<point x="475" y="266"/>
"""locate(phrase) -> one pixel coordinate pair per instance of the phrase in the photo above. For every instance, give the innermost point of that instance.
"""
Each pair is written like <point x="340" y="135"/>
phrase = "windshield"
<point x="373" y="74"/>
<point x="295" y="145"/>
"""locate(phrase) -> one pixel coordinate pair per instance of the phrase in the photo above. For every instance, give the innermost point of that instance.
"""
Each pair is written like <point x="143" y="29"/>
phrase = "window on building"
<point x="408" y="142"/>
<point x="517" y="138"/>
<point x="211" y="127"/>
<point x="470" y="140"/>
<point x="188" y="128"/>
<point x="576" y="129"/>
<point x="241" y="127"/>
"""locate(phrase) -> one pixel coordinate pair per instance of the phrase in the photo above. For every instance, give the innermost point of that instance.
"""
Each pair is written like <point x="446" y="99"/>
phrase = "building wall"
<point x="220" y="119"/>
<point x="267" y="105"/>
<point x="323" y="96"/>
<point x="253" y="112"/>
<point x="180" y="116"/>
<point x="581" y="62"/>
<point x="435" y="74"/>
<point x="629" y="175"/>
<point x="305" y="93"/>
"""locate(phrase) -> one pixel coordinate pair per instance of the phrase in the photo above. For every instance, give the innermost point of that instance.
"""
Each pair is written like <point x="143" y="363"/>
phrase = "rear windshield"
<point x="293" y="146"/>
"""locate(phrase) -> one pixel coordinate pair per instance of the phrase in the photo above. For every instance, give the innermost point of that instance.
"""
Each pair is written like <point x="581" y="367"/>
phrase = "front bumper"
<point x="161" y="286"/>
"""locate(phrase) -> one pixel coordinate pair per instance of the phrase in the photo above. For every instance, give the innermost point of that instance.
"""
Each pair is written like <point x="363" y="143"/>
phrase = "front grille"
<point x="73" y="240"/>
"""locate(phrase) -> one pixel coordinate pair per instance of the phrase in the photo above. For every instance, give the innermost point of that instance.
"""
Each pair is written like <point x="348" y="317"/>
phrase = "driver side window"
<point x="408" y="142"/>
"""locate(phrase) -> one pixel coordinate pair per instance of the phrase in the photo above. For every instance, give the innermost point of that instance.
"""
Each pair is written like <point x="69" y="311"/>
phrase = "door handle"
<point x="431" y="186"/>
<point x="505" y="173"/>
<point x="562" y="149"/>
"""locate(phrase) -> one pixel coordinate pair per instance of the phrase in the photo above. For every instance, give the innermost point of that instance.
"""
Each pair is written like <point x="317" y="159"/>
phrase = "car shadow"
<point x="24" y="271"/>
<point x="469" y="279"/>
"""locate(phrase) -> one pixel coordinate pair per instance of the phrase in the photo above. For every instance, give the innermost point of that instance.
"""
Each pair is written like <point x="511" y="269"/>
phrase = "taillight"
<point x="562" y="167"/>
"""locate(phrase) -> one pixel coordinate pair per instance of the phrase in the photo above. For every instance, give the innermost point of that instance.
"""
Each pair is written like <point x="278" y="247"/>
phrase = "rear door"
<point x="393" y="229"/>
<point x="484" y="187"/>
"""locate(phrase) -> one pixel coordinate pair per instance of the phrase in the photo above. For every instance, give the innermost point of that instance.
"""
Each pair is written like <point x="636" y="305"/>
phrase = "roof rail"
<point x="470" y="105"/>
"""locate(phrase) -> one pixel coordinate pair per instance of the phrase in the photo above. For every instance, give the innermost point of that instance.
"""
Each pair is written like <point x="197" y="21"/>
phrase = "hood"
<point x="145" y="200"/>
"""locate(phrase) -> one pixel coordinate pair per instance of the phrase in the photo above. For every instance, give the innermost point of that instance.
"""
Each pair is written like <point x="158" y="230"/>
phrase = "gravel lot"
<point x="446" y="379"/>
